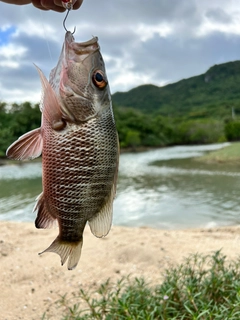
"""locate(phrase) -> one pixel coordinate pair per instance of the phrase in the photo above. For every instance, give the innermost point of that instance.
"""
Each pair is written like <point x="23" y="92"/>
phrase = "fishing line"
<point x="45" y="36"/>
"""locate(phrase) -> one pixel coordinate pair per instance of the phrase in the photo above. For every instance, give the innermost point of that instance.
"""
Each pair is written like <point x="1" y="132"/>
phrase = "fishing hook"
<point x="64" y="26"/>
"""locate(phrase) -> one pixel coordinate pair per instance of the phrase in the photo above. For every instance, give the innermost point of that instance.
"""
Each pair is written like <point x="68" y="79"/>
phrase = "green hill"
<point x="212" y="94"/>
<point x="191" y="111"/>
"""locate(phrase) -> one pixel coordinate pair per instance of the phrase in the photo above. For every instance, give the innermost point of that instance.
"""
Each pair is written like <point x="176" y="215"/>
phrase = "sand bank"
<point x="30" y="284"/>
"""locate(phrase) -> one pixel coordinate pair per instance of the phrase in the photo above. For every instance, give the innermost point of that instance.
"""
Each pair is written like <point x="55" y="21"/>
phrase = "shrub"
<point x="200" y="131"/>
<point x="232" y="130"/>
<point x="203" y="287"/>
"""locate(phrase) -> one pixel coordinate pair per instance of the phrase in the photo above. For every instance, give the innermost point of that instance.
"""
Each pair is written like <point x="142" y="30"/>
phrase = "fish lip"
<point x="80" y="48"/>
<point x="75" y="52"/>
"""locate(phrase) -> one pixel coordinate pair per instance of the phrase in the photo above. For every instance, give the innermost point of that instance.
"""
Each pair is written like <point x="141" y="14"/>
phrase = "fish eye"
<point x="99" y="79"/>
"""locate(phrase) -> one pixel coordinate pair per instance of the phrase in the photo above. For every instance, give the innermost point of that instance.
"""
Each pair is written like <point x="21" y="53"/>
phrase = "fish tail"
<point x="66" y="250"/>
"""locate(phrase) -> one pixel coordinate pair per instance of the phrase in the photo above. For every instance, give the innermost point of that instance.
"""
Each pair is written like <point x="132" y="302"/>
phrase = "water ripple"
<point x="21" y="171"/>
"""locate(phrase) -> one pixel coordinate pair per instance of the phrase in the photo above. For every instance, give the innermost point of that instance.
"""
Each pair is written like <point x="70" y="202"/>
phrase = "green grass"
<point x="203" y="287"/>
<point x="229" y="154"/>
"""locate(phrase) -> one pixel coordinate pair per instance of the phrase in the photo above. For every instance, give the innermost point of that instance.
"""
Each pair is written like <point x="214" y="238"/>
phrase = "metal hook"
<point x="64" y="26"/>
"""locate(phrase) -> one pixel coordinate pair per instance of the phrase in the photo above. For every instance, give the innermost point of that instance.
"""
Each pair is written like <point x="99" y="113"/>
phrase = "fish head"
<point x="80" y="80"/>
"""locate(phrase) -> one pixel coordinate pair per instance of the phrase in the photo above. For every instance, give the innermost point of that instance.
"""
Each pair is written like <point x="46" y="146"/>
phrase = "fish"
<point x="78" y="141"/>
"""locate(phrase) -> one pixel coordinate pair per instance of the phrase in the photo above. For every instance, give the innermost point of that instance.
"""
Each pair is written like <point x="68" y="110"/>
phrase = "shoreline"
<point x="31" y="284"/>
<point x="6" y="161"/>
<point x="227" y="155"/>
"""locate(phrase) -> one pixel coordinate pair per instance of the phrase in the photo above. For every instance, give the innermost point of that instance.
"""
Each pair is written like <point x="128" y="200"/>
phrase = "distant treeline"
<point x="15" y="120"/>
<point x="135" y="128"/>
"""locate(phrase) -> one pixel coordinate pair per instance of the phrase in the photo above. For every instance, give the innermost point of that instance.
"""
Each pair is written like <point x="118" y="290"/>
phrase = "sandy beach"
<point x="31" y="284"/>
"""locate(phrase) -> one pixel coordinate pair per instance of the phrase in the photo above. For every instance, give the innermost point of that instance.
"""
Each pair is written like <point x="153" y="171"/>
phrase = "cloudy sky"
<point x="142" y="41"/>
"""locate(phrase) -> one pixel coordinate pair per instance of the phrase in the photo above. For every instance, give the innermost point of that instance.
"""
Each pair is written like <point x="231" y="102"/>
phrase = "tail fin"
<point x="66" y="250"/>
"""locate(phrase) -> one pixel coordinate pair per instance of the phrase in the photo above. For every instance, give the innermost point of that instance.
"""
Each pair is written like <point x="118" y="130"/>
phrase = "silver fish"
<point x="79" y="146"/>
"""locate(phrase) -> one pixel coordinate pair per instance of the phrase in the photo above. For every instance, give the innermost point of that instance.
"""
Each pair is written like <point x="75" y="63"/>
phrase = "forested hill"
<point x="192" y="111"/>
<point x="211" y="94"/>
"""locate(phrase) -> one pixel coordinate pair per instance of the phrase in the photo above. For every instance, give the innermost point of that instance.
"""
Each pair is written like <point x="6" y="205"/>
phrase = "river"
<point x="163" y="188"/>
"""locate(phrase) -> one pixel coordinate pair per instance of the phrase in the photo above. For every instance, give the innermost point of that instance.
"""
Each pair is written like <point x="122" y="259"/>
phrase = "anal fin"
<point x="44" y="219"/>
<point x="101" y="223"/>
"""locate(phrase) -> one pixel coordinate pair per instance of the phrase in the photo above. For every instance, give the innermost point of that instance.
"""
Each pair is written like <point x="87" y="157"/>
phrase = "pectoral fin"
<point x="28" y="146"/>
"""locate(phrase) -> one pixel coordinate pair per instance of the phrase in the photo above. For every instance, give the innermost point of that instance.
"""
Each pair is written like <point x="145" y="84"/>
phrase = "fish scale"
<point x="79" y="145"/>
<point x="97" y="173"/>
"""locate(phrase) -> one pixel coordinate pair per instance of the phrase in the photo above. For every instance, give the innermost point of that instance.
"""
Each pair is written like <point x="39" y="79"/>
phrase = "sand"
<point x="31" y="284"/>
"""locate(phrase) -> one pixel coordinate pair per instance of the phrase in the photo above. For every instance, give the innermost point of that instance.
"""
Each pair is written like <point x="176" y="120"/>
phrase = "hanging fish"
<point x="79" y="146"/>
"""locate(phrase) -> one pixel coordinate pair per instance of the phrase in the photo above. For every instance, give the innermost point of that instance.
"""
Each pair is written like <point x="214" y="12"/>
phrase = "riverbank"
<point x="6" y="161"/>
<point x="229" y="154"/>
<point x="31" y="284"/>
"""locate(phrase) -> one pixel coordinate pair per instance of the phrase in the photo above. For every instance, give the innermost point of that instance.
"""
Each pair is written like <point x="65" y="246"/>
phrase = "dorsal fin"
<point x="50" y="105"/>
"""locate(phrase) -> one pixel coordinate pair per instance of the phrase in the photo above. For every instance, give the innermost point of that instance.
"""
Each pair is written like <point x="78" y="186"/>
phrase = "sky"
<point x="142" y="41"/>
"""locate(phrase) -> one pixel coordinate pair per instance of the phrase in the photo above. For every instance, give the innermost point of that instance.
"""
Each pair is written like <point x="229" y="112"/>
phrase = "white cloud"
<point x="10" y="56"/>
<point x="212" y="24"/>
<point x="10" y="51"/>
<point x="9" y="64"/>
<point x="154" y="41"/>
<point x="18" y="95"/>
<point x="146" y="32"/>
<point x="37" y="29"/>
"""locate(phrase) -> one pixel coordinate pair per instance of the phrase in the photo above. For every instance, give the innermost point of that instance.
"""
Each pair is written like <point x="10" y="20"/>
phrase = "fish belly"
<point x="79" y="166"/>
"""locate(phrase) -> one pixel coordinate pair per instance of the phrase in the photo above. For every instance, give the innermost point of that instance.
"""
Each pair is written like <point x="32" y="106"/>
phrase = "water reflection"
<point x="20" y="170"/>
<point x="19" y="186"/>
<point x="178" y="192"/>
<point x="162" y="188"/>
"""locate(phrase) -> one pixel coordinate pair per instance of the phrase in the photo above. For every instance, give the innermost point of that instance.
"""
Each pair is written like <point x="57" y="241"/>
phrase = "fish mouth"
<point x="81" y="49"/>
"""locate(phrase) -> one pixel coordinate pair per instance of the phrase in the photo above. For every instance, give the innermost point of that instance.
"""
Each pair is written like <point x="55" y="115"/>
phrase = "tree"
<point x="232" y="130"/>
